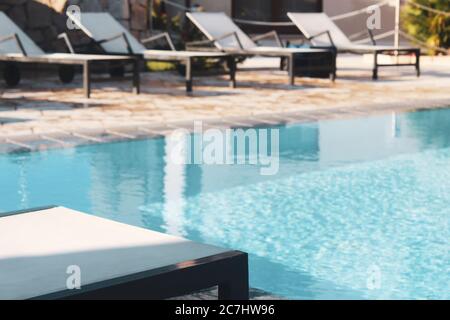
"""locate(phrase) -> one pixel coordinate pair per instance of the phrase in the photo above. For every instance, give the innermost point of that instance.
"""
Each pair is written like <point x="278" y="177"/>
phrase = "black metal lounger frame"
<point x="228" y="271"/>
<point x="187" y="60"/>
<point x="85" y="63"/>
<point x="399" y="52"/>
<point x="377" y="52"/>
<point x="241" y="52"/>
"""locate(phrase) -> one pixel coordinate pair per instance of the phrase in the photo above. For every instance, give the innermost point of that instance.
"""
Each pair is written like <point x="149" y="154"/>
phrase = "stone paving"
<point x="43" y="114"/>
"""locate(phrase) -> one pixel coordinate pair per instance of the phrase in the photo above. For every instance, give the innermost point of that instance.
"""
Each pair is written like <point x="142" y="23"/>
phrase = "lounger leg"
<point x="136" y="77"/>
<point x="188" y="75"/>
<point x="291" y="70"/>
<point x="418" y="62"/>
<point x="11" y="74"/>
<point x="375" y="66"/>
<point x="334" y="66"/>
<point x="282" y="63"/>
<point x="87" y="79"/>
<point x="237" y="286"/>
<point x="333" y="76"/>
<point x="232" y="68"/>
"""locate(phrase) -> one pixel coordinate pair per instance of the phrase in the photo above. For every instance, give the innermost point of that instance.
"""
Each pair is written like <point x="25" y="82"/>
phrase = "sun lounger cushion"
<point x="216" y="24"/>
<point x="312" y="24"/>
<point x="8" y="28"/>
<point x="100" y="26"/>
<point x="38" y="247"/>
<point x="181" y="54"/>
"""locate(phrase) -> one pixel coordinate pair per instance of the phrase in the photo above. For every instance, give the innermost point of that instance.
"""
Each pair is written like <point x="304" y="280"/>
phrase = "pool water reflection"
<point x="360" y="208"/>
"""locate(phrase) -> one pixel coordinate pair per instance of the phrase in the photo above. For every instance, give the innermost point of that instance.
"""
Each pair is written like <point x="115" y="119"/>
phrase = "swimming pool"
<point x="360" y="208"/>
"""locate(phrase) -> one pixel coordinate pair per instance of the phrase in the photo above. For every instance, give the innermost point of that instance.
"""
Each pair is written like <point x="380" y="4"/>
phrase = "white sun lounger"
<point x="113" y="38"/>
<point x="44" y="250"/>
<point x="320" y="30"/>
<point x="227" y="37"/>
<point x="16" y="47"/>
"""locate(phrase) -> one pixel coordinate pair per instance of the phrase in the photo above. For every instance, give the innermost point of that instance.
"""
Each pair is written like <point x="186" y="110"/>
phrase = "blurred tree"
<point x="159" y="15"/>
<point x="429" y="27"/>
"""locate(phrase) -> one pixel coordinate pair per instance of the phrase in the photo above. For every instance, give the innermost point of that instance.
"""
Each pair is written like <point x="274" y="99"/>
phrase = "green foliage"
<point x="160" y="19"/>
<point x="428" y="27"/>
<point x="160" y="66"/>
<point x="181" y="31"/>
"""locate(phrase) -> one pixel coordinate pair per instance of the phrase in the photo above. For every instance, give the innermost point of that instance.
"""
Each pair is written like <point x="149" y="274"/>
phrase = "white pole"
<point x="397" y="23"/>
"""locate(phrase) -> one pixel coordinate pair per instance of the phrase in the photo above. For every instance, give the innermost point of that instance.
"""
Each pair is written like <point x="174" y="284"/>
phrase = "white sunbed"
<point x="114" y="38"/>
<point x="58" y="253"/>
<point x="16" y="48"/>
<point x="320" y="30"/>
<point x="228" y="37"/>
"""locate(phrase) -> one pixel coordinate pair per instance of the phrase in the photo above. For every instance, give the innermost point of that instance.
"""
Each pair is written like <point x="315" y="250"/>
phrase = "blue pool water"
<point x="360" y="208"/>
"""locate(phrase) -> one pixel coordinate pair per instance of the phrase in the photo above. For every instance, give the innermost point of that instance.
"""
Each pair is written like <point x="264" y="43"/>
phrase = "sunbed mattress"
<point x="38" y="249"/>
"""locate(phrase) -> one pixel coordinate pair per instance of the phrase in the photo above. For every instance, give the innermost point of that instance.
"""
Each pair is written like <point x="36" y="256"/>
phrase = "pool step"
<point x="211" y="294"/>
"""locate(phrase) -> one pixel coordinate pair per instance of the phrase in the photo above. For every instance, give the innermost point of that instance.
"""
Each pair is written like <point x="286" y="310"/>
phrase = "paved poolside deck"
<point x="43" y="114"/>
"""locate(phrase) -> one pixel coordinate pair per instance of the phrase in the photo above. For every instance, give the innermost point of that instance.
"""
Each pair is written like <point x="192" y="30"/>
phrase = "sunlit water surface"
<point x="360" y="208"/>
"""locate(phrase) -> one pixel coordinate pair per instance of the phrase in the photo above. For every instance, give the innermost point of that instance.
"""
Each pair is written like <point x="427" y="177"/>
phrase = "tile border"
<point x="47" y="141"/>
